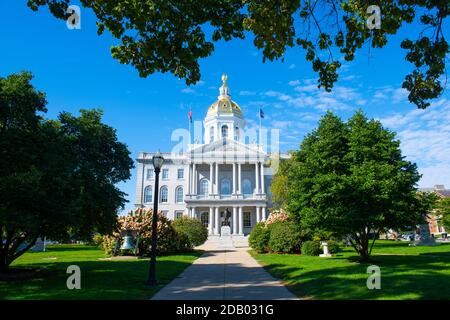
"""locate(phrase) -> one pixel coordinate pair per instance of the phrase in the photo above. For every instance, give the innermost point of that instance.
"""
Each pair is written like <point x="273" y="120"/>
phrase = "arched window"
<point x="247" y="186"/>
<point x="225" y="187"/>
<point x="211" y="134"/>
<point x="204" y="187"/>
<point x="224" y="131"/>
<point x="164" y="194"/>
<point x="148" y="194"/>
<point x="179" y="195"/>
<point x="236" y="134"/>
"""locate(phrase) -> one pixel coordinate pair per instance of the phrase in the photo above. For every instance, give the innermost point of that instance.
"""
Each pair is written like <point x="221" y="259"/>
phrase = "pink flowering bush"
<point x="139" y="223"/>
<point x="277" y="216"/>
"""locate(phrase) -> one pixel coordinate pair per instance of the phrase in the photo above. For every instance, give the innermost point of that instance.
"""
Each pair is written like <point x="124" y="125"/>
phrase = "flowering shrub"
<point x="108" y="244"/>
<point x="277" y="216"/>
<point x="139" y="223"/>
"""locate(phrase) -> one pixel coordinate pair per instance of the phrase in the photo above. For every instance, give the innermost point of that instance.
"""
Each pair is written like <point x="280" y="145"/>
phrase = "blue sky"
<point x="75" y="69"/>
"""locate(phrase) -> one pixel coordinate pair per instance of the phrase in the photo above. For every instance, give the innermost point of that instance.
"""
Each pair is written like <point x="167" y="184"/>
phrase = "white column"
<point x="216" y="182"/>
<point x="256" y="177"/>
<point x="264" y="217"/>
<point x="193" y="212"/>
<point x="190" y="179"/>
<point x="234" y="178"/>
<point x="210" y="221"/>
<point x="216" y="221"/>
<point x="194" y="178"/>
<point x="211" y="178"/>
<point x="235" y="221"/>
<point x="262" y="178"/>
<point x="241" y="221"/>
<point x="258" y="216"/>
<point x="239" y="179"/>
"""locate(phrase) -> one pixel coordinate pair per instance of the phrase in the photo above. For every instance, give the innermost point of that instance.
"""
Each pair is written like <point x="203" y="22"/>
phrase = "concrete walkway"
<point x="230" y="274"/>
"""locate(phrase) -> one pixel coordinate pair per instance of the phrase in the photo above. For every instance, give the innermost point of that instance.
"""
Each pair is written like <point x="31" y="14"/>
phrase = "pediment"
<point x="227" y="149"/>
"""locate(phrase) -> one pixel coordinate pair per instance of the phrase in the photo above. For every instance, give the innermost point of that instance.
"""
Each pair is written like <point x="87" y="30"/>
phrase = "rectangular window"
<point x="247" y="220"/>
<point x="165" y="174"/>
<point x="150" y="173"/>
<point x="178" y="214"/>
<point x="180" y="173"/>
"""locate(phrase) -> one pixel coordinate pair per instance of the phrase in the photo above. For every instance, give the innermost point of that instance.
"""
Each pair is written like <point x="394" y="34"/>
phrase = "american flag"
<point x="190" y="116"/>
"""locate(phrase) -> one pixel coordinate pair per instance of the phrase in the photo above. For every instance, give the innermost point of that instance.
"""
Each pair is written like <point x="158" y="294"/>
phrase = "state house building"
<point x="222" y="181"/>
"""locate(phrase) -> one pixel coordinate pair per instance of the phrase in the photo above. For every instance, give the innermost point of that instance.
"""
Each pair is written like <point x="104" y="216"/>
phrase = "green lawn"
<point x="406" y="273"/>
<point x="100" y="279"/>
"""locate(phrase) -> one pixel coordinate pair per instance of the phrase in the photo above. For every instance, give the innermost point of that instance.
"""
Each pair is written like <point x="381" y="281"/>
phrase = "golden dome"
<point x="224" y="104"/>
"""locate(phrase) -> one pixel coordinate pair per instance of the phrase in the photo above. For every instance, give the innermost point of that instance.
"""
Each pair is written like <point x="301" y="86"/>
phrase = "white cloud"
<point x="425" y="139"/>
<point x="348" y="78"/>
<point x="281" y="124"/>
<point x="306" y="88"/>
<point x="247" y="93"/>
<point x="393" y="94"/>
<point x="294" y="83"/>
<point x="188" y="90"/>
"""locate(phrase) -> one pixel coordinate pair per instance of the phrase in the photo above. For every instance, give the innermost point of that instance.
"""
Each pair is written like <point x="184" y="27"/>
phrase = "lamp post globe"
<point x="158" y="161"/>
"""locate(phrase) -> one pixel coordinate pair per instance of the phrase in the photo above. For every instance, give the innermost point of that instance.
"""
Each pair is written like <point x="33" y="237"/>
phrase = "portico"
<point x="240" y="217"/>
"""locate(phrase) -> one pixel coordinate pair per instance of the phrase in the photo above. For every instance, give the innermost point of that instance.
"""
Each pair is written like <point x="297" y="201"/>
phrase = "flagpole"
<point x="189" y="121"/>
<point x="259" y="142"/>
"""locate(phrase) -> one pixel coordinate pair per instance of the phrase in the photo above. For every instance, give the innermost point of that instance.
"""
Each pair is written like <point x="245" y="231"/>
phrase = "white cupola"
<point x="224" y="118"/>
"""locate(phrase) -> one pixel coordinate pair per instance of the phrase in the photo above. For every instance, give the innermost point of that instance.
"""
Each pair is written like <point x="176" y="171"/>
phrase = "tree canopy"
<point x="350" y="178"/>
<point x="443" y="209"/>
<point x="171" y="36"/>
<point x="57" y="177"/>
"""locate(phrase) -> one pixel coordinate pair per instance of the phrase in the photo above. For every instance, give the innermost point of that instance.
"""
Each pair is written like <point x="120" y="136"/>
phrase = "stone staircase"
<point x="227" y="242"/>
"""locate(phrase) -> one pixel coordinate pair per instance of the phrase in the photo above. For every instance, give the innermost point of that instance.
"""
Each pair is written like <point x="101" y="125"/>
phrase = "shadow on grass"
<point x="100" y="279"/>
<point x="402" y="277"/>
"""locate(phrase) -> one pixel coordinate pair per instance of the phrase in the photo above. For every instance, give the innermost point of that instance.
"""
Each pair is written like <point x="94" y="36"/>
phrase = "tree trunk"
<point x="361" y="246"/>
<point x="9" y="252"/>
<point x="3" y="259"/>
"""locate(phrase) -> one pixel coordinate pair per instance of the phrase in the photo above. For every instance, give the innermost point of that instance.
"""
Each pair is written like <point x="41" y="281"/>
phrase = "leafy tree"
<point x="171" y="36"/>
<point x="443" y="208"/>
<point x="279" y="185"/>
<point x="56" y="176"/>
<point x="351" y="179"/>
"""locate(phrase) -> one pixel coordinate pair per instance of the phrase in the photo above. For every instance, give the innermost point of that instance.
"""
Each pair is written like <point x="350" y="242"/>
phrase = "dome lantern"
<point x="224" y="118"/>
<point x="224" y="105"/>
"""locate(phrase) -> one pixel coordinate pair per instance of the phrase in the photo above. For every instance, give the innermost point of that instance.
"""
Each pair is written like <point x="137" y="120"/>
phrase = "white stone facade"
<point x="222" y="181"/>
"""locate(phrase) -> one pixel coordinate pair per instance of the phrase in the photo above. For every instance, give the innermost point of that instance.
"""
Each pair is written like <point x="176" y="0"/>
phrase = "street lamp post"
<point x="158" y="161"/>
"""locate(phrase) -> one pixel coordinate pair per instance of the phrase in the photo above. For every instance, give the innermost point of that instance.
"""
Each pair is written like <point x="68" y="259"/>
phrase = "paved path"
<point x="230" y="274"/>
